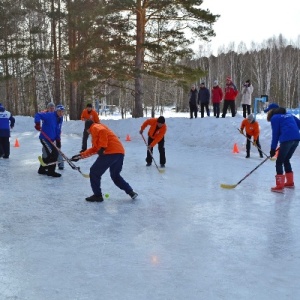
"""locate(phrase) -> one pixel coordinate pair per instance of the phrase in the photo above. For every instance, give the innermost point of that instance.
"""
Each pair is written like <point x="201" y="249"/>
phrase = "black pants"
<point x="231" y="104"/>
<point x="246" y="110"/>
<point x="51" y="156"/>
<point x="161" y="149"/>
<point x="202" y="106"/>
<point x="248" y="145"/>
<point x="85" y="136"/>
<point x="193" y="110"/>
<point x="4" y="146"/>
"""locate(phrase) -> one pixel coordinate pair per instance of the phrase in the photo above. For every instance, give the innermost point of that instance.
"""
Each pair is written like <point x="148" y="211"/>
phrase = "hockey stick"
<point x="232" y="186"/>
<point x="159" y="170"/>
<point x="71" y="164"/>
<point x="271" y="158"/>
<point x="43" y="164"/>
<point x="252" y="142"/>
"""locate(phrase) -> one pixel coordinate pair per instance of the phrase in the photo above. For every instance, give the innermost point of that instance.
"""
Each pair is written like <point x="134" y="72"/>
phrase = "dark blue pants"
<point x="286" y="151"/>
<point x="206" y="106"/>
<point x="115" y="163"/>
<point x="216" y="107"/>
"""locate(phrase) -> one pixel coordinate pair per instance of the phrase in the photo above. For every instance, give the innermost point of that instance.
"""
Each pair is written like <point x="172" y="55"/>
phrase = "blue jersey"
<point x="285" y="127"/>
<point x="6" y="121"/>
<point x="52" y="124"/>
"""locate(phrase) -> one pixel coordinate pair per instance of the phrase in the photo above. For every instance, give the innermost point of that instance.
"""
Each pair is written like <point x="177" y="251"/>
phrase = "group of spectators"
<point x="201" y="99"/>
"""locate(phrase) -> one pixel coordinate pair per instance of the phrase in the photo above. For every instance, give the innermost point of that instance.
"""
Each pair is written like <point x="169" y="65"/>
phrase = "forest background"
<point x="132" y="54"/>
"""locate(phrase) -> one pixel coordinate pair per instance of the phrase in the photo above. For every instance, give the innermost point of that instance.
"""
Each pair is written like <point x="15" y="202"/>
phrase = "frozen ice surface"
<point x="184" y="237"/>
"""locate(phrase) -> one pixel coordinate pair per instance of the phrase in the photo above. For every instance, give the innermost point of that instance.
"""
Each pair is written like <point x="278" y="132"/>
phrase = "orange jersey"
<point x="103" y="137"/>
<point x="251" y="128"/>
<point x="90" y="115"/>
<point x="154" y="132"/>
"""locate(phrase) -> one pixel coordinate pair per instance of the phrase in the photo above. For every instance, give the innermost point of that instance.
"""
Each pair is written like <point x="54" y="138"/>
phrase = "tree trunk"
<point x="139" y="61"/>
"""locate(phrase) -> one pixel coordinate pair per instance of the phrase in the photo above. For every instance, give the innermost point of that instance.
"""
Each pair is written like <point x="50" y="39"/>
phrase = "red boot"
<point x="279" y="184"/>
<point x="289" y="180"/>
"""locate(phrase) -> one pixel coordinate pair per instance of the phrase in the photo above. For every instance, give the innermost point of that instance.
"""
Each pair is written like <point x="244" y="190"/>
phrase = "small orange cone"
<point x="17" y="143"/>
<point x="235" y="148"/>
<point x="128" y="138"/>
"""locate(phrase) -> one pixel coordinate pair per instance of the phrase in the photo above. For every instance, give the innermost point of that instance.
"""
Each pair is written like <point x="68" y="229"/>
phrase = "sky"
<point x="184" y="237"/>
<point x="254" y="20"/>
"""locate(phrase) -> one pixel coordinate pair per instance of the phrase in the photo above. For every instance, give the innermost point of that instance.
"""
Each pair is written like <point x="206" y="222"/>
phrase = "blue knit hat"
<point x="60" y="107"/>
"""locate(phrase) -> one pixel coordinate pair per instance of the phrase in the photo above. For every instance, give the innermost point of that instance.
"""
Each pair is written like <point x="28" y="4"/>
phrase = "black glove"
<point x="11" y="127"/>
<point x="272" y="152"/>
<point x="58" y="143"/>
<point x="37" y="126"/>
<point x="76" y="157"/>
<point x="101" y="151"/>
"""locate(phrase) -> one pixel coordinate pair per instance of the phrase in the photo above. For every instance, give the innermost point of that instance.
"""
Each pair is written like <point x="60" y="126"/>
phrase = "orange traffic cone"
<point x="235" y="148"/>
<point x="17" y="143"/>
<point x="128" y="138"/>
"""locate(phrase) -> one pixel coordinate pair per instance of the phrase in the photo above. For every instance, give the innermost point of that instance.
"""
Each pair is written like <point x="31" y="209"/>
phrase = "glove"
<point x="11" y="127"/>
<point x="254" y="143"/>
<point x="58" y="143"/>
<point x="101" y="151"/>
<point x="272" y="152"/>
<point x="241" y="131"/>
<point x="37" y="126"/>
<point x="141" y="131"/>
<point x="76" y="157"/>
<point x="149" y="148"/>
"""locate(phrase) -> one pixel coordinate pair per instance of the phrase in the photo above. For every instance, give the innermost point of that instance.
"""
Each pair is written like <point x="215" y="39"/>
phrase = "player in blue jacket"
<point x="51" y="126"/>
<point x="285" y="130"/>
<point x="7" y="121"/>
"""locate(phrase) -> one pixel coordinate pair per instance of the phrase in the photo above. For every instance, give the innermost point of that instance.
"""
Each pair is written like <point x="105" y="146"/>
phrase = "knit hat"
<point x="50" y="104"/>
<point x="216" y="82"/>
<point x="88" y="124"/>
<point x="161" y="120"/>
<point x="89" y="105"/>
<point x="271" y="106"/>
<point x="60" y="107"/>
<point x="250" y="118"/>
<point x="2" y="108"/>
<point x="203" y="83"/>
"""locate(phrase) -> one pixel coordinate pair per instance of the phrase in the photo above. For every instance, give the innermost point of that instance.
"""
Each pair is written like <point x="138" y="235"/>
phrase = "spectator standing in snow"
<point x="156" y="135"/>
<point x="216" y="98"/>
<point x="251" y="127"/>
<point x="230" y="94"/>
<point x="88" y="114"/>
<point x="285" y="130"/>
<point x="246" y="98"/>
<point x="51" y="126"/>
<point x="110" y="155"/>
<point x="203" y="99"/>
<point x="7" y="122"/>
<point x="193" y="96"/>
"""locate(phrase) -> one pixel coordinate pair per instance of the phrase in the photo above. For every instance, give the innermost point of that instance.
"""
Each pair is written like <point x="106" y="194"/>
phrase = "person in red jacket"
<point x="251" y="127"/>
<point x="216" y="98"/>
<point x="229" y="97"/>
<point x="111" y="154"/>
<point x="156" y="135"/>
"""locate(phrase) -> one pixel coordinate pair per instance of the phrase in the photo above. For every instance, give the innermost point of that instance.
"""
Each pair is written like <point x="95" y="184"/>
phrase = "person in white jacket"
<point x="247" y="98"/>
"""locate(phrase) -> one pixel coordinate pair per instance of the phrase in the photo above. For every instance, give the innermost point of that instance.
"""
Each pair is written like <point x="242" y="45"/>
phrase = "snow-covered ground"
<point x="184" y="237"/>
